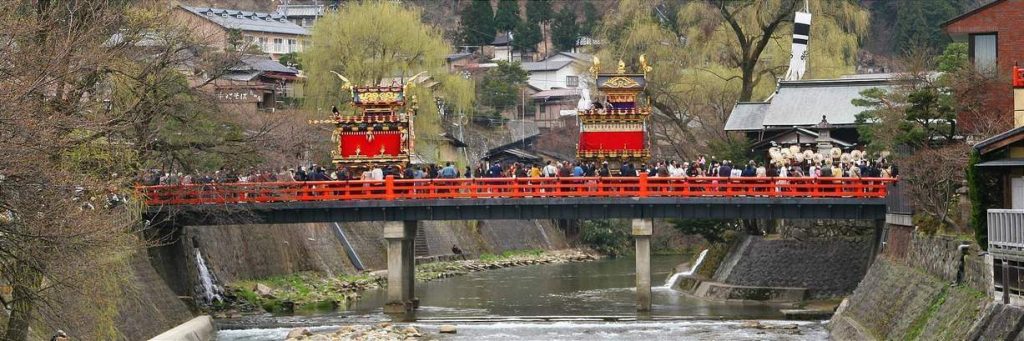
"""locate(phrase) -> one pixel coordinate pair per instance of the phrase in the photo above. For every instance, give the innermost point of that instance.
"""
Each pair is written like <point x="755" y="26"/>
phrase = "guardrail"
<point x="1006" y="230"/>
<point x="487" y="188"/>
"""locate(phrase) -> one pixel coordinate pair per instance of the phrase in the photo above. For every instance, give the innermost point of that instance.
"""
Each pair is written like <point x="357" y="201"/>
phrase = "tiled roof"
<point x="263" y="64"/>
<point x="556" y="93"/>
<point x="746" y="116"/>
<point x="803" y="103"/>
<point x="545" y="66"/>
<point x="248" y="21"/>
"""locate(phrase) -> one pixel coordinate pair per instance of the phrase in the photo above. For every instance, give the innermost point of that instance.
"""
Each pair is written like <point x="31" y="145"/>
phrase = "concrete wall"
<point x="238" y="252"/>
<point x="826" y="267"/>
<point x="150" y="307"/>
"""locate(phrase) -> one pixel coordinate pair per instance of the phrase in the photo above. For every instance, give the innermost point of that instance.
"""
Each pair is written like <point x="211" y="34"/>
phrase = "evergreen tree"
<point x="590" y="19"/>
<point x="915" y="23"/>
<point x="500" y="87"/>
<point x="478" y="23"/>
<point x="527" y="36"/>
<point x="507" y="17"/>
<point x="538" y="11"/>
<point x="565" y="31"/>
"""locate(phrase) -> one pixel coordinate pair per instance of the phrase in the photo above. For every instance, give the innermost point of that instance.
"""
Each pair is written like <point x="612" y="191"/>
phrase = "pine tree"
<point x="527" y="36"/>
<point x="507" y="17"/>
<point x="478" y="23"/>
<point x="564" y="29"/>
<point x="590" y="19"/>
<point x="538" y="11"/>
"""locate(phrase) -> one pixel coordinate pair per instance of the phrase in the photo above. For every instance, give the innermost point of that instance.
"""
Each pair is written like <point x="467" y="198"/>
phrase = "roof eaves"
<point x="970" y="13"/>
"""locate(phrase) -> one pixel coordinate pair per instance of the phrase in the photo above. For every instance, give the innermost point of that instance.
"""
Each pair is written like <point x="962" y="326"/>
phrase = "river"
<point x="572" y="301"/>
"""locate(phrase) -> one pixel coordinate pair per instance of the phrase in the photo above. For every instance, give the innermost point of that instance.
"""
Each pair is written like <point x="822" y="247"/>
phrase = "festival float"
<point x="614" y="128"/>
<point x="378" y="129"/>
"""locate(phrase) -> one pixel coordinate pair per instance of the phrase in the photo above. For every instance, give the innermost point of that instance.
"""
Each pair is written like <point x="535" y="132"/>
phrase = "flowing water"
<point x="573" y="301"/>
<point x="210" y="291"/>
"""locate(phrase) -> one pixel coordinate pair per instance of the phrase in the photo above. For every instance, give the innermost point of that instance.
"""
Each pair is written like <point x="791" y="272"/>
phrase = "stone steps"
<point x="420" y="248"/>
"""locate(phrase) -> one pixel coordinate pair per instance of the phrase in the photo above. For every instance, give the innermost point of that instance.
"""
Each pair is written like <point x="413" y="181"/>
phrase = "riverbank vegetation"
<point x="310" y="292"/>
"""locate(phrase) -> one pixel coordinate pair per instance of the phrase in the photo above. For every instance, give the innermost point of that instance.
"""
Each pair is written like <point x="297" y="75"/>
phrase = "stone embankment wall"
<point x="238" y="252"/>
<point x="911" y="292"/>
<point x="826" y="267"/>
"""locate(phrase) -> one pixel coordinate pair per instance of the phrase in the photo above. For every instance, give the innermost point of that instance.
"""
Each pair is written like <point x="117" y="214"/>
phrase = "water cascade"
<point x="671" y="281"/>
<point x="210" y="291"/>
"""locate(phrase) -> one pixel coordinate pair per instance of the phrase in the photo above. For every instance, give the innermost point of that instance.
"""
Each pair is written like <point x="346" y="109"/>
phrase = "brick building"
<point x="992" y="32"/>
<point x="995" y="44"/>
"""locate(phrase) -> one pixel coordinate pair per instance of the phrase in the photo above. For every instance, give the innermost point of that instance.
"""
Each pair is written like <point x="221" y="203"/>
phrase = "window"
<point x="263" y="44"/>
<point x="572" y="81"/>
<point x="293" y="45"/>
<point x="278" y="45"/>
<point x="982" y="51"/>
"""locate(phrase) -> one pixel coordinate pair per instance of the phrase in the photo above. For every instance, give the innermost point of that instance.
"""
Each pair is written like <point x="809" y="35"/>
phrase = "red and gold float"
<point x="379" y="132"/>
<point x="615" y="129"/>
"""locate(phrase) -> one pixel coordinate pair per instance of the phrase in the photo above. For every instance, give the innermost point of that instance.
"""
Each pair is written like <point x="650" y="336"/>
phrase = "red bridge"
<point x="512" y="188"/>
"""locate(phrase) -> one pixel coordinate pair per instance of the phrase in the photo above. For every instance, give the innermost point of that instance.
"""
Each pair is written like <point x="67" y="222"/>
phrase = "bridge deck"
<point x="531" y="198"/>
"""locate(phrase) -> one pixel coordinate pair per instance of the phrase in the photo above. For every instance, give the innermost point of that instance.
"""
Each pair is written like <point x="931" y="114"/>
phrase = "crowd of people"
<point x="702" y="167"/>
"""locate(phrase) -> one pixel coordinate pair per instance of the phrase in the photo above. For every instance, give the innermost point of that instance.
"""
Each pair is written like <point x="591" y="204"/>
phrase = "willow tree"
<point x="698" y="60"/>
<point x="376" y="42"/>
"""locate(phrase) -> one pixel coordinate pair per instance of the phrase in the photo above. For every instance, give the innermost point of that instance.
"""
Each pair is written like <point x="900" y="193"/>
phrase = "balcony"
<point x="1006" y="231"/>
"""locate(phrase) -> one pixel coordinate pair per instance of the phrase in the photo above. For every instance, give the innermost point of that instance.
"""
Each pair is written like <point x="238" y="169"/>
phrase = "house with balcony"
<point x="302" y="15"/>
<point x="256" y="83"/>
<point x="1001" y="167"/>
<point x="224" y="29"/>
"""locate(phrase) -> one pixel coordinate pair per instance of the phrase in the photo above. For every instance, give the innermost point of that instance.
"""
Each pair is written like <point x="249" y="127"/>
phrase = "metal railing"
<point x="1006" y="231"/>
<point x="490" y="188"/>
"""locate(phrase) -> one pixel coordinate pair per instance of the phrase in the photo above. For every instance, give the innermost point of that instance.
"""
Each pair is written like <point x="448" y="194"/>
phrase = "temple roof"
<point x="804" y="102"/>
<point x="746" y="116"/>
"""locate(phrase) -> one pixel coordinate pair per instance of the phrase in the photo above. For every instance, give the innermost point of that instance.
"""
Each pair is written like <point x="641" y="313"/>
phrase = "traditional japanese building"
<point x="378" y="132"/>
<point x="614" y="129"/>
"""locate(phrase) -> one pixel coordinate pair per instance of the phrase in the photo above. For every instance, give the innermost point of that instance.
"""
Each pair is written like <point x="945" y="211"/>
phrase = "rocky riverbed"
<point x="312" y="292"/>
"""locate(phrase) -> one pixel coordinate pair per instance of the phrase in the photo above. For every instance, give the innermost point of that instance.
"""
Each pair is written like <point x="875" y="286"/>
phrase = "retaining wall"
<point x="826" y="267"/>
<point x="911" y="293"/>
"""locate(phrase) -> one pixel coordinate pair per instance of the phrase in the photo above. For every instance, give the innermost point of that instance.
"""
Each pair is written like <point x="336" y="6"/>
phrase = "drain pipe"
<point x="960" y="269"/>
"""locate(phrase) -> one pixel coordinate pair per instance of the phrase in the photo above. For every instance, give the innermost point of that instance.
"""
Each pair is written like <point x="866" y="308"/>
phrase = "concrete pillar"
<point x="401" y="267"/>
<point x="642" y="231"/>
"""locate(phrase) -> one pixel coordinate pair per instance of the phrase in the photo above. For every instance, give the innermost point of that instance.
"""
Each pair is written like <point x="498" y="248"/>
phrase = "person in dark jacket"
<point x="725" y="169"/>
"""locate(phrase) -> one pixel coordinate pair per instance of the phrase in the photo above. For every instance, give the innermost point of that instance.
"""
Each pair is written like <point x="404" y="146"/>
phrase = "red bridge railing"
<point x="487" y="188"/>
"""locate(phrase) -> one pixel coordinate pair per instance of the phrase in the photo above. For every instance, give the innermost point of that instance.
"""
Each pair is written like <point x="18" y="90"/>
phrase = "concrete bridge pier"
<point x="401" y="297"/>
<point x="642" y="231"/>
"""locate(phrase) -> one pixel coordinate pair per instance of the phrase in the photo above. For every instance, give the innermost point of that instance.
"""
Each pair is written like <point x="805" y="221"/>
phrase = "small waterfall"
<point x="671" y="281"/>
<point x="210" y="291"/>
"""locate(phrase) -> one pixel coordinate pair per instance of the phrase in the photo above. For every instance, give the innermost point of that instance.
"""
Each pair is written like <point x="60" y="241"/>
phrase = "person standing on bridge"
<point x="494" y="171"/>
<point x="549" y="170"/>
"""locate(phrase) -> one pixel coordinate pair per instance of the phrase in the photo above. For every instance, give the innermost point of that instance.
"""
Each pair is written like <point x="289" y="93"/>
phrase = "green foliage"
<point x="500" y="86"/>
<point x="507" y="254"/>
<point x="507" y="16"/>
<point x="591" y="19"/>
<point x="953" y="58"/>
<point x="527" y="36"/>
<point x="712" y="230"/>
<point x="538" y="11"/>
<point x="916" y="23"/>
<point x="917" y="327"/>
<point x="478" y="23"/>
<point x="985" y="191"/>
<point x="917" y="115"/>
<point x="291" y="59"/>
<point x="564" y="29"/>
<point x="350" y="42"/>
<point x="610" y="237"/>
